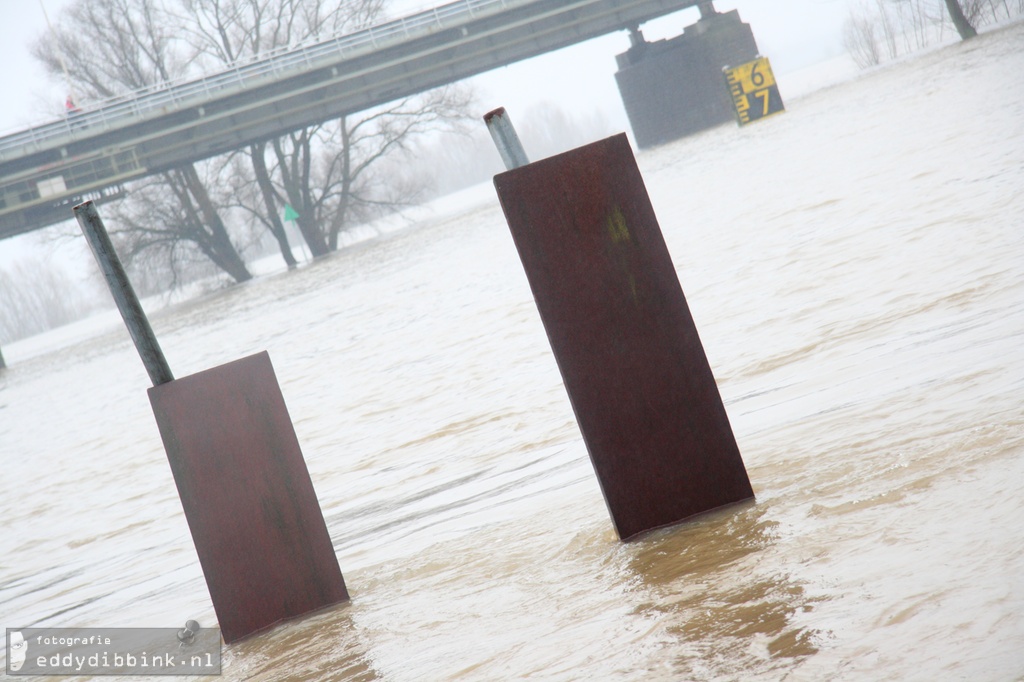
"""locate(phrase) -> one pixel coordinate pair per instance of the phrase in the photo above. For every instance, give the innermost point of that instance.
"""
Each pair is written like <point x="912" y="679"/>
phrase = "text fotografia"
<point x="114" y="651"/>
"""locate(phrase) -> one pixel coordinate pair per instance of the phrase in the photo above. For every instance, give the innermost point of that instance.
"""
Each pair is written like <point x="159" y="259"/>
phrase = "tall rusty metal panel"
<point x="247" y="496"/>
<point x="637" y="376"/>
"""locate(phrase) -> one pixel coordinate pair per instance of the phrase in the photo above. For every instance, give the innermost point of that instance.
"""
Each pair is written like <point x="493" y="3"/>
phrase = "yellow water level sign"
<point x="755" y="94"/>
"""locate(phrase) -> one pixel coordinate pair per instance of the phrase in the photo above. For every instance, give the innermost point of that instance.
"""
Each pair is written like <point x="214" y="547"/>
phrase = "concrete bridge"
<point x="91" y="154"/>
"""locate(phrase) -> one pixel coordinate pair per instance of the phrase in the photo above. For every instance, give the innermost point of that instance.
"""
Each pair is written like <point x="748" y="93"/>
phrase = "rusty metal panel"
<point x="639" y="382"/>
<point x="247" y="495"/>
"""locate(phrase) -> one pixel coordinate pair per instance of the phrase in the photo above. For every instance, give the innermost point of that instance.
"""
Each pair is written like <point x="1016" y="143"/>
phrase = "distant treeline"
<point x="880" y="30"/>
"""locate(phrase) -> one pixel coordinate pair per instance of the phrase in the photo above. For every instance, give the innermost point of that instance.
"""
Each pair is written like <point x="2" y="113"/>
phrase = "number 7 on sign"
<point x="764" y="96"/>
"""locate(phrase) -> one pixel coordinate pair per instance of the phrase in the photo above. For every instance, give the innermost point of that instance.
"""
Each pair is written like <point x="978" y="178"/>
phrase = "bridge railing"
<point x="166" y="97"/>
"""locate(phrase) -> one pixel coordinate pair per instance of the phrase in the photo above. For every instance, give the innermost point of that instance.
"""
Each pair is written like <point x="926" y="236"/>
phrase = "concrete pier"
<point x="674" y="88"/>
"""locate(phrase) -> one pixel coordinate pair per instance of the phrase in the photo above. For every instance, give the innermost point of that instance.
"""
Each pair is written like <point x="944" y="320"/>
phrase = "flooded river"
<point x="855" y="267"/>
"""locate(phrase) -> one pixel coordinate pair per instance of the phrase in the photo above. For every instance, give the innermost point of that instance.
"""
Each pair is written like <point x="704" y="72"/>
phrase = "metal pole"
<point x="127" y="302"/>
<point x="2" y="365"/>
<point x="505" y="138"/>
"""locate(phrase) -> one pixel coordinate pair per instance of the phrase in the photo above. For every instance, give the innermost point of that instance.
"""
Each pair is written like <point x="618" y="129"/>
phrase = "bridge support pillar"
<point x="674" y="88"/>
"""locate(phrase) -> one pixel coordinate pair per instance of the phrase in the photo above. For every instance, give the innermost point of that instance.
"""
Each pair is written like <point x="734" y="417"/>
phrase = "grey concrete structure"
<point x="673" y="88"/>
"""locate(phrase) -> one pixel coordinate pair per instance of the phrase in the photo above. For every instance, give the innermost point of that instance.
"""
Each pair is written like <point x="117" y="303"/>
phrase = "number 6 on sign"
<point x="755" y="94"/>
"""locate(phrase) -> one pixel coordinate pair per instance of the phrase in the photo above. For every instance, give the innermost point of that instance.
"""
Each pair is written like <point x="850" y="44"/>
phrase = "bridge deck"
<point x="46" y="169"/>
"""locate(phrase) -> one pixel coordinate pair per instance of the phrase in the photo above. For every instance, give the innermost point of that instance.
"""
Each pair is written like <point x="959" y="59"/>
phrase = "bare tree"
<point x="338" y="175"/>
<point x="860" y="40"/>
<point x="113" y="47"/>
<point x="127" y="45"/>
<point x="960" y="21"/>
<point x="915" y="23"/>
<point x="227" y="31"/>
<point x="173" y="214"/>
<point x="328" y="173"/>
<point x="37" y="294"/>
<point x="266" y="194"/>
<point x="223" y="32"/>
